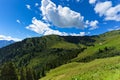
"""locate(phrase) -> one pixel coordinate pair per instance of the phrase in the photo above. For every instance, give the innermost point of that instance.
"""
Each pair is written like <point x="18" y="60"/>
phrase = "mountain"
<point x="48" y="52"/>
<point x="42" y="51"/>
<point x="4" y="43"/>
<point x="98" y="62"/>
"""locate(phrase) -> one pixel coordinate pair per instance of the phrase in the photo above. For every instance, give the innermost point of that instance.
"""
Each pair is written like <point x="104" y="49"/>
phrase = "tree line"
<point x="21" y="72"/>
<point x="10" y="72"/>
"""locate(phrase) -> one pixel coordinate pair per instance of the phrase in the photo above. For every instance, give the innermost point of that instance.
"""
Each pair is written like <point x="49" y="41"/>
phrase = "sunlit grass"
<point x="100" y="69"/>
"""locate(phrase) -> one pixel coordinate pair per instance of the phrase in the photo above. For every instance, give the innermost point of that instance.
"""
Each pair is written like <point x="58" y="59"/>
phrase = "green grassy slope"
<point x="106" y="45"/>
<point x="109" y="40"/>
<point x="99" y="69"/>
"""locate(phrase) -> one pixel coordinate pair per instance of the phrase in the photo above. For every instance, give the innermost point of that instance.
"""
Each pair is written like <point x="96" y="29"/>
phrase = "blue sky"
<point x="20" y="19"/>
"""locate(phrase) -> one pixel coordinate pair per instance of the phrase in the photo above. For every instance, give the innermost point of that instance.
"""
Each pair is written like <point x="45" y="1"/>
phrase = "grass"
<point x="65" y="45"/>
<point x="99" y="69"/>
<point x="113" y="41"/>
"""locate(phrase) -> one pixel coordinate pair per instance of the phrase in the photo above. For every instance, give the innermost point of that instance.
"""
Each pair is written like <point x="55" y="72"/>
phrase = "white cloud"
<point x="92" y="24"/>
<point x="87" y="22"/>
<point x="28" y="6"/>
<point x="102" y="7"/>
<point x="44" y="29"/>
<point x="18" y="21"/>
<point x="3" y="37"/>
<point x="92" y="1"/>
<point x="113" y="13"/>
<point x="108" y="11"/>
<point x="38" y="26"/>
<point x="60" y="16"/>
<point x="80" y="34"/>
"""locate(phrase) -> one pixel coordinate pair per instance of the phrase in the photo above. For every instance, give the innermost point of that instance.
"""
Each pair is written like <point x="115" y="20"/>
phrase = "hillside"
<point x="99" y="69"/>
<point x="36" y="46"/>
<point x="48" y="52"/>
<point x="80" y="68"/>
<point x="44" y="52"/>
<point x="107" y="45"/>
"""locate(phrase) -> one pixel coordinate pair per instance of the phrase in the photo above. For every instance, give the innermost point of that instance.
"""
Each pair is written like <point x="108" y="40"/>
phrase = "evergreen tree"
<point x="43" y="72"/>
<point x="35" y="75"/>
<point x="22" y="74"/>
<point x="29" y="74"/>
<point x="8" y="72"/>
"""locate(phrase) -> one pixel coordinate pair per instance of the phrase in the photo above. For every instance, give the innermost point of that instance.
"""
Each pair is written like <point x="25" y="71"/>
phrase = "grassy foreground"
<point x="99" y="69"/>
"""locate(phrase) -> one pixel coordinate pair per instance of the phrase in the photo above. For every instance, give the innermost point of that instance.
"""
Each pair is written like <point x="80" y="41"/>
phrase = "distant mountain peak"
<point x="4" y="43"/>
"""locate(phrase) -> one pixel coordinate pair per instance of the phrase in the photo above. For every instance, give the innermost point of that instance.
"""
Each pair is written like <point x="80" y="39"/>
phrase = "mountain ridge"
<point x="51" y="51"/>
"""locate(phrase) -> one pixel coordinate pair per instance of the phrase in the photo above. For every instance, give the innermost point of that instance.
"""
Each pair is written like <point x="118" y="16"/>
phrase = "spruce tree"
<point x="29" y="74"/>
<point x="8" y="72"/>
<point x="22" y="74"/>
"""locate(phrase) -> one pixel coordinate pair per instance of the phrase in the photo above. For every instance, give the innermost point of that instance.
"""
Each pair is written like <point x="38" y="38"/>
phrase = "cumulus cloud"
<point x="38" y="26"/>
<point x="3" y="37"/>
<point x="60" y="16"/>
<point x="28" y="6"/>
<point x="107" y="10"/>
<point x="92" y="1"/>
<point x="92" y="24"/>
<point x="42" y="28"/>
<point x="113" y="13"/>
<point x="102" y="7"/>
